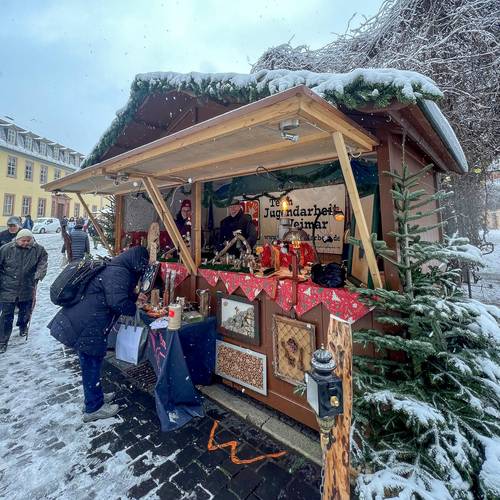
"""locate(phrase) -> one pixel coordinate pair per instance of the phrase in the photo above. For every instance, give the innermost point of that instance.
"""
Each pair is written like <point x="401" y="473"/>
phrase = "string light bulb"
<point x="285" y="203"/>
<point x="338" y="214"/>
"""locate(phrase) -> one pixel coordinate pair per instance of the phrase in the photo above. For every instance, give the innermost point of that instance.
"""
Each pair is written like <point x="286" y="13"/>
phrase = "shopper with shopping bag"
<point x="85" y="325"/>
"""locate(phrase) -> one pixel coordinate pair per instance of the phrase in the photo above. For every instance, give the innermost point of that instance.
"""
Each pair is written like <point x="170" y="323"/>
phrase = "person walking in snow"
<point x="23" y="263"/>
<point x="28" y="222"/>
<point x="85" y="325"/>
<point x="13" y="227"/>
<point x="79" y="242"/>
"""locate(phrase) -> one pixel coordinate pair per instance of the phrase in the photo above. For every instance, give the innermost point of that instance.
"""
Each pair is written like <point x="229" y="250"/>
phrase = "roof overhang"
<point x="232" y="144"/>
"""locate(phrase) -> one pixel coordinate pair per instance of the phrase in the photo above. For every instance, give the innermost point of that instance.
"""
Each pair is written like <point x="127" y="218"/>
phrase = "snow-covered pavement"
<point x="46" y="452"/>
<point x="43" y="442"/>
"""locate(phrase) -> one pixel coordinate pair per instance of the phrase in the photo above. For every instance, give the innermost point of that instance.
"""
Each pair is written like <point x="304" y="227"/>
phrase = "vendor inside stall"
<point x="236" y="221"/>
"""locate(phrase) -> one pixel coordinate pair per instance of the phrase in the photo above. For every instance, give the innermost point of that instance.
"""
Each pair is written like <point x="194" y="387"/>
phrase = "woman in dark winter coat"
<point x="85" y="326"/>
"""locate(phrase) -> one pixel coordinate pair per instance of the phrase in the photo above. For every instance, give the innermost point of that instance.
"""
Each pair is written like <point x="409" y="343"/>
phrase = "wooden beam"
<point x="337" y="458"/>
<point x="168" y="220"/>
<point x="352" y="189"/>
<point x="97" y="226"/>
<point x="119" y="212"/>
<point x="196" y="223"/>
<point x="333" y="120"/>
<point x="386" y="162"/>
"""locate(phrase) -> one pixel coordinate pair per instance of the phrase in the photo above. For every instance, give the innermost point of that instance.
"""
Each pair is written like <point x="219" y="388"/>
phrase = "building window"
<point x="55" y="153"/>
<point x="57" y="174"/>
<point x="26" y="206"/>
<point x="8" y="204"/>
<point x="35" y="147"/>
<point x="43" y="174"/>
<point x="28" y="171"/>
<point x="43" y="148"/>
<point x="48" y="151"/>
<point x="66" y="157"/>
<point x="77" y="210"/>
<point x="20" y="140"/>
<point x="40" y="211"/>
<point x="12" y="166"/>
<point x="94" y="209"/>
<point x="11" y="136"/>
<point x="28" y="143"/>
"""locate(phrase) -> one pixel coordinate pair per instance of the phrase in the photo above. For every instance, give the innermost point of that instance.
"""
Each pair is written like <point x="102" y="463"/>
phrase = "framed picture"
<point x="293" y="345"/>
<point x="243" y="366"/>
<point x="238" y="317"/>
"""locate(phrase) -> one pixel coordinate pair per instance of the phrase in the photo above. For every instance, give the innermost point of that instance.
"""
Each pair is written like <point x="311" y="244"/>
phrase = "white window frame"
<point x="43" y="148"/>
<point x="12" y="165"/>
<point x="76" y="210"/>
<point x="26" y="206"/>
<point x="57" y="173"/>
<point x="11" y="135"/>
<point x="41" y="207"/>
<point x="28" y="143"/>
<point x="8" y="211"/>
<point x="44" y="174"/>
<point x="31" y="165"/>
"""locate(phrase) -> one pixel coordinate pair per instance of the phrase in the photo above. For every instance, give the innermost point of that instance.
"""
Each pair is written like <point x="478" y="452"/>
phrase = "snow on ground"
<point x="32" y="463"/>
<point x="487" y="289"/>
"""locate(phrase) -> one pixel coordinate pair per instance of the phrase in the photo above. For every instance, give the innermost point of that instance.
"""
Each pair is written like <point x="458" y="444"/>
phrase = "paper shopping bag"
<point x="130" y="343"/>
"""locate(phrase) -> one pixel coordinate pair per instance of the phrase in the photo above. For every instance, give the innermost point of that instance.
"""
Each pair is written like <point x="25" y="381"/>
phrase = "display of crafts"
<point x="238" y="318"/>
<point x="155" y="311"/>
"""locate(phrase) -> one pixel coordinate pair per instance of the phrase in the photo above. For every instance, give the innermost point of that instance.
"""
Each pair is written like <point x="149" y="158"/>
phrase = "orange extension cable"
<point x="212" y="446"/>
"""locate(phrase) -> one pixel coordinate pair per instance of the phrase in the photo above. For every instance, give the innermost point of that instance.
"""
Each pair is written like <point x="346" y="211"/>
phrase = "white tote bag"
<point x="130" y="343"/>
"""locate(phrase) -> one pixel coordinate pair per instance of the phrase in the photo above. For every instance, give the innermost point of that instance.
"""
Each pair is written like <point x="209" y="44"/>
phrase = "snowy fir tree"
<point x="107" y="219"/>
<point x="426" y="409"/>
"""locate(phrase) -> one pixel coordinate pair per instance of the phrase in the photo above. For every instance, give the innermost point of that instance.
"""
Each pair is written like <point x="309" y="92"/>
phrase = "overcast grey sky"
<point x="66" y="66"/>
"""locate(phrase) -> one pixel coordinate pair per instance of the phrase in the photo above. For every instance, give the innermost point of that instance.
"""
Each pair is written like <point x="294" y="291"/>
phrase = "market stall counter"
<point x="181" y="359"/>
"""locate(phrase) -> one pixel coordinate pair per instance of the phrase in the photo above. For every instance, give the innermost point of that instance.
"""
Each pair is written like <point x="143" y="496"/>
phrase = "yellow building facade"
<point x="27" y="161"/>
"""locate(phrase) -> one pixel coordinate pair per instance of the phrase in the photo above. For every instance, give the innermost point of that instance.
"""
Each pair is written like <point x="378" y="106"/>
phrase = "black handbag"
<point x="331" y="275"/>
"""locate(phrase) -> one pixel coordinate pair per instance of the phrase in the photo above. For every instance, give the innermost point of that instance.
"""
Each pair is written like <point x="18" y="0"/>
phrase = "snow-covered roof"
<point x="442" y="126"/>
<point x="356" y="89"/>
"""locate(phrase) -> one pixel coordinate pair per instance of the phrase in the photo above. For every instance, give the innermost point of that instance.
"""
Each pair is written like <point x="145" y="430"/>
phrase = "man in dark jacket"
<point x="23" y="263"/>
<point x="85" y="326"/>
<point x="237" y="220"/>
<point x="13" y="227"/>
<point x="79" y="241"/>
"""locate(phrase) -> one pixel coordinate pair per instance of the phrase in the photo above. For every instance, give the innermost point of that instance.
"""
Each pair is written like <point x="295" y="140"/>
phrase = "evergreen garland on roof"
<point x="356" y="89"/>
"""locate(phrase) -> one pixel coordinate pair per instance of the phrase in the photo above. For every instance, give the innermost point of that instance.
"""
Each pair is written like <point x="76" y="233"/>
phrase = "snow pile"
<point x="490" y="473"/>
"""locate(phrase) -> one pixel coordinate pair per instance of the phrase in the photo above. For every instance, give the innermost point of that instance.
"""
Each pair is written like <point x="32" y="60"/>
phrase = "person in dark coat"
<point x="28" y="222"/>
<point x="79" y="243"/>
<point x="13" y="227"/>
<point x="85" y="325"/>
<point x="237" y="220"/>
<point x="23" y="263"/>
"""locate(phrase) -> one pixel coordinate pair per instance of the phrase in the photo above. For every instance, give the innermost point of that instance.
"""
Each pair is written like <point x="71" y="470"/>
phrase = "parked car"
<point x="47" y="225"/>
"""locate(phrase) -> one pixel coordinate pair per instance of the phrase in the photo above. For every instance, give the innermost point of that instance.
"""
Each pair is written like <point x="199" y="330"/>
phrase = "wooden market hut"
<point x="206" y="128"/>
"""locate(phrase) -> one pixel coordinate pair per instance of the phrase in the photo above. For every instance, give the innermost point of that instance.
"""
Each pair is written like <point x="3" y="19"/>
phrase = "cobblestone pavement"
<point x="130" y="452"/>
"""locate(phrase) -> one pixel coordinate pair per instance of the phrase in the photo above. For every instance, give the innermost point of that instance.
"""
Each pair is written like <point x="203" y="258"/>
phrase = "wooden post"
<point x="196" y="224"/>
<point x="119" y="206"/>
<point x="337" y="458"/>
<point x="98" y="228"/>
<point x="352" y="189"/>
<point x="167" y="219"/>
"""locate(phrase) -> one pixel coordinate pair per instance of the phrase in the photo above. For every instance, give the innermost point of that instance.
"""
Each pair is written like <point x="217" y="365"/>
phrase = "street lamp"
<point x="324" y="392"/>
